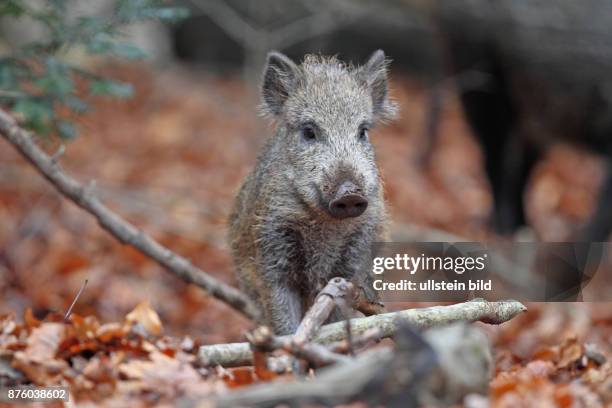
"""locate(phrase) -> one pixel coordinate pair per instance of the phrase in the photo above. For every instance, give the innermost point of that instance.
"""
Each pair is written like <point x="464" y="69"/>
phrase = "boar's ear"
<point x="374" y="75"/>
<point x="279" y="80"/>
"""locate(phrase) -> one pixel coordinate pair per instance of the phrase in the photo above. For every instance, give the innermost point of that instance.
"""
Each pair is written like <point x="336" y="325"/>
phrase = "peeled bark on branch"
<point x="125" y="232"/>
<point x="236" y="354"/>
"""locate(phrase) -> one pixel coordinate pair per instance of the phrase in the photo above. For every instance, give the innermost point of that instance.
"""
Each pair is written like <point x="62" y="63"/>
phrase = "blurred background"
<point x="171" y="158"/>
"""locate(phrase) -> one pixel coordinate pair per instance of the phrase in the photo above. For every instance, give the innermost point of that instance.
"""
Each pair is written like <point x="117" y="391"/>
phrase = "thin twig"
<point x="318" y="355"/>
<point x="117" y="226"/>
<point x="349" y="331"/>
<point x="58" y="154"/>
<point x="76" y="298"/>
<point x="335" y="290"/>
<point x="373" y="335"/>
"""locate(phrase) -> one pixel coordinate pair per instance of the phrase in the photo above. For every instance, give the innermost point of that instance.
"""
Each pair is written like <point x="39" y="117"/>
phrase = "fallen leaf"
<point x="110" y="331"/>
<point x="164" y="375"/>
<point x="29" y="319"/>
<point x="147" y="318"/>
<point x="239" y="377"/>
<point x="571" y="351"/>
<point x="43" y="343"/>
<point x="260" y="365"/>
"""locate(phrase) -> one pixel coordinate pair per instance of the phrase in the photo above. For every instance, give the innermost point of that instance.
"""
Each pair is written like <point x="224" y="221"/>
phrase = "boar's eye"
<point x="308" y="132"/>
<point x="363" y="132"/>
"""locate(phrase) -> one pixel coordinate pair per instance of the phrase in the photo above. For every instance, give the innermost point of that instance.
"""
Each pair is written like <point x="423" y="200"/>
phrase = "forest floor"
<point x="171" y="160"/>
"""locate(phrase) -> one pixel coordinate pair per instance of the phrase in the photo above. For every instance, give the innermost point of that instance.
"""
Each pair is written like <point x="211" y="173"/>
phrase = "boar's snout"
<point x="348" y="201"/>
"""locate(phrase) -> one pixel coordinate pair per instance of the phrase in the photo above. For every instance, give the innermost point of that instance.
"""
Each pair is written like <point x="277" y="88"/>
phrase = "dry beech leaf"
<point x="42" y="373"/>
<point x="7" y="325"/>
<point x="110" y="331"/>
<point x="29" y="319"/>
<point x="563" y="397"/>
<point x="100" y="370"/>
<point x="146" y="317"/>
<point x="571" y="351"/>
<point x="165" y="375"/>
<point x="239" y="377"/>
<point x="69" y="262"/>
<point x="38" y="360"/>
<point x="547" y="354"/>
<point x="85" y="327"/>
<point x="43" y="343"/>
<point x="260" y="365"/>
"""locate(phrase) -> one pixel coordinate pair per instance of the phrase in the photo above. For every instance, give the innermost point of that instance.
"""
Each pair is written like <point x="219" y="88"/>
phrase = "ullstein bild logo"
<point x="439" y="271"/>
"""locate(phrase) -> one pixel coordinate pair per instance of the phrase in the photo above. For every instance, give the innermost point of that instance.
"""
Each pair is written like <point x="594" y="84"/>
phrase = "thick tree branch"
<point x="236" y="354"/>
<point x="117" y="226"/>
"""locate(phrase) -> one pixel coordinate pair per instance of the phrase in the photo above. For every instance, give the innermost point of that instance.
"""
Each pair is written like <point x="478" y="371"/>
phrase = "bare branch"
<point x="58" y="154"/>
<point x="373" y="335"/>
<point x="422" y="370"/>
<point x="117" y="226"/>
<point x="335" y="290"/>
<point x="263" y="339"/>
<point x="475" y="310"/>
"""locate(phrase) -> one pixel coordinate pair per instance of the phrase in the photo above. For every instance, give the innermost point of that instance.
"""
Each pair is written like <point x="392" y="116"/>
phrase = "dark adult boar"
<point x="532" y="73"/>
<point x="313" y="205"/>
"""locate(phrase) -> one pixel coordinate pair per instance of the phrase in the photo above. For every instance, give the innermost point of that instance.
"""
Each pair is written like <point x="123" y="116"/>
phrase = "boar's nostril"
<point x="349" y="205"/>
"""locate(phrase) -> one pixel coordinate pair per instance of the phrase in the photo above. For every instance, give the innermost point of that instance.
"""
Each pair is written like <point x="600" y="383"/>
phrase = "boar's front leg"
<point x="280" y="269"/>
<point x="284" y="310"/>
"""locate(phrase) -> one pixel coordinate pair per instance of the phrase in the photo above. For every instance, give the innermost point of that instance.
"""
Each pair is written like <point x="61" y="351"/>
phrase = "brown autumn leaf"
<point x="85" y="327"/>
<point x="43" y="343"/>
<point x="520" y="377"/>
<point x="38" y="360"/>
<point x="7" y="325"/>
<point x="100" y="370"/>
<point x="546" y="353"/>
<point x="563" y="397"/>
<point x="239" y="377"/>
<point x="71" y="261"/>
<point x="111" y="331"/>
<point x="164" y="375"/>
<point x="260" y="366"/>
<point x="144" y="316"/>
<point x="29" y="319"/>
<point x="570" y="352"/>
<point x="600" y="380"/>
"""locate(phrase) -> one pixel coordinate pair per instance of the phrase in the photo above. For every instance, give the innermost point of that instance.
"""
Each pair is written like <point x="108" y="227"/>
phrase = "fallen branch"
<point x="337" y="290"/>
<point x="235" y="354"/>
<point x="318" y="355"/>
<point x="423" y="370"/>
<point x="117" y="226"/>
<point x="334" y="386"/>
<point x="336" y="294"/>
<point x="370" y="336"/>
